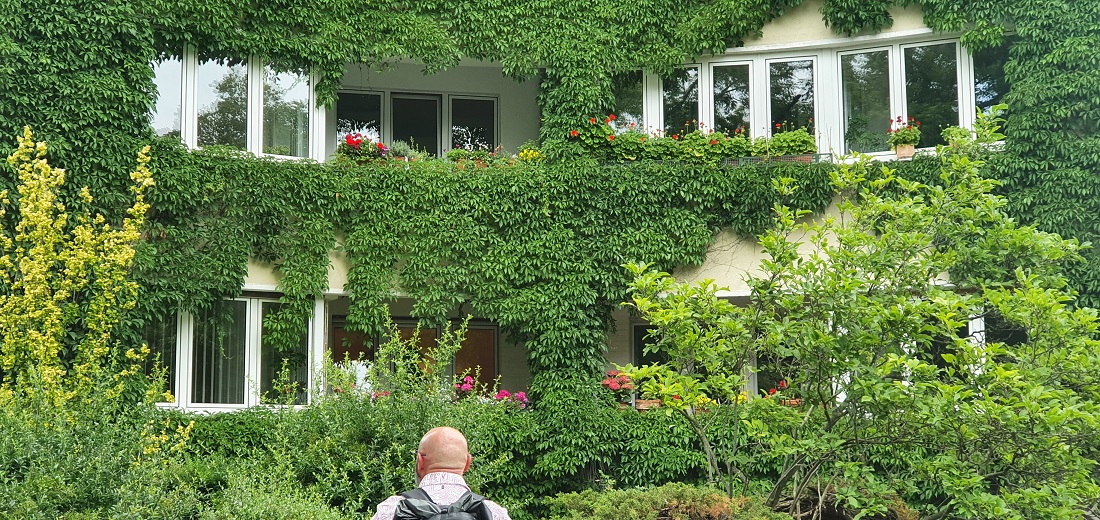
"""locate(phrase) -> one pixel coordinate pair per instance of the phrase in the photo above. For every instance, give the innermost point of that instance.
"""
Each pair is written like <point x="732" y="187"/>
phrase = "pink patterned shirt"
<point x="443" y="488"/>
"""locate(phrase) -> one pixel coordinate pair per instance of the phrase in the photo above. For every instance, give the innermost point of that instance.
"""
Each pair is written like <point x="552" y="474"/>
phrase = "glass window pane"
<point x="416" y="121"/>
<point x="680" y="99"/>
<point x="792" y="94"/>
<point x="272" y="361"/>
<point x="990" y="85"/>
<point x="932" y="89"/>
<point x="731" y="98"/>
<point x="218" y="364"/>
<point x="286" y="114"/>
<point x="168" y="77"/>
<point x="473" y="124"/>
<point x="222" y="98"/>
<point x="350" y="345"/>
<point x="478" y="354"/>
<point x="160" y="336"/>
<point x="358" y="114"/>
<point x="865" y="84"/>
<point x="628" y="99"/>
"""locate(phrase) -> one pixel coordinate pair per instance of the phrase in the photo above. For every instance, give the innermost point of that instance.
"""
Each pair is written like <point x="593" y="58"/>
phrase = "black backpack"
<point x="417" y="505"/>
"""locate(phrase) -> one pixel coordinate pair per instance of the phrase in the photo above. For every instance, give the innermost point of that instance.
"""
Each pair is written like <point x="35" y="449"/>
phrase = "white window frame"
<point x="706" y="83"/>
<point x="184" y="373"/>
<point x="254" y="68"/>
<point x="828" y="94"/>
<point x="896" y="89"/>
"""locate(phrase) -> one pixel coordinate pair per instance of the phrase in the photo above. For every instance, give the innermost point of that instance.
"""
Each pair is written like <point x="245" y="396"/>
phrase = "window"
<point x="865" y="89"/>
<point x="791" y="94"/>
<point x="478" y="354"/>
<point x="416" y="120"/>
<point x="219" y="358"/>
<point x="161" y="336"/>
<point x="239" y="104"/>
<point x="731" y="97"/>
<point x="932" y="89"/>
<point x="642" y="339"/>
<point x="429" y="122"/>
<point x="168" y="77"/>
<point x="358" y="114"/>
<point x="222" y="100"/>
<point x="628" y="89"/>
<point x="680" y="100"/>
<point x="473" y="123"/>
<point x="285" y="114"/>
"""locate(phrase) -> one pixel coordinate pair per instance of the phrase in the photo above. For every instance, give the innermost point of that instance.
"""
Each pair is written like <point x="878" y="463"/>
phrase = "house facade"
<point x="796" y="73"/>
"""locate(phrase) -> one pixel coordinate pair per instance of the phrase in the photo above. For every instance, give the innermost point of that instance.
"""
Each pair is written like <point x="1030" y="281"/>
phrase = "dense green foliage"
<point x="79" y="75"/>
<point x="535" y="247"/>
<point x="77" y="72"/>
<point x="896" y="392"/>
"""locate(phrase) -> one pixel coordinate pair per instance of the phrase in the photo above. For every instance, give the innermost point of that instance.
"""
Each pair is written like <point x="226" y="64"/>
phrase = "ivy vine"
<point x="535" y="249"/>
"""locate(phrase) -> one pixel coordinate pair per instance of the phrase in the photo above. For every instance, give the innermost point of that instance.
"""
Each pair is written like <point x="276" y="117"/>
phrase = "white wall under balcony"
<point x="803" y="25"/>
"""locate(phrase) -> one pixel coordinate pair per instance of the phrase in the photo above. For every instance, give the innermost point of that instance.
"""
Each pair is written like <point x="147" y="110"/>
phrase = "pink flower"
<point x="466" y="387"/>
<point x="614" y="385"/>
<point x="503" y="394"/>
<point x="521" y="396"/>
<point x="468" y="379"/>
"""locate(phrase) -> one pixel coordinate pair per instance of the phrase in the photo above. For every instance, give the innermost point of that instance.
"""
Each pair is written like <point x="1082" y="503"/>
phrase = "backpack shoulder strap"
<point x="418" y="494"/>
<point x="416" y="505"/>
<point x="472" y="504"/>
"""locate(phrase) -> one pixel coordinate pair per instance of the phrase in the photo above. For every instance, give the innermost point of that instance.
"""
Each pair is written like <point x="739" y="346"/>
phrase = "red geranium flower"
<point x="593" y="120"/>
<point x="573" y="133"/>
<point x="610" y="138"/>
<point x="713" y="141"/>
<point x="611" y="116"/>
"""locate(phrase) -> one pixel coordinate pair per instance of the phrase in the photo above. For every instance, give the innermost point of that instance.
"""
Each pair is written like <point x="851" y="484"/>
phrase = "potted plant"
<point x="620" y="385"/>
<point x="403" y="151"/>
<point x="904" y="136"/>
<point x="799" y="142"/>
<point x="360" y="148"/>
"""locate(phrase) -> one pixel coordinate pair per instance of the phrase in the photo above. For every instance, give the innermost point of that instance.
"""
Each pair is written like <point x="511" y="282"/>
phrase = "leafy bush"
<point x="673" y="501"/>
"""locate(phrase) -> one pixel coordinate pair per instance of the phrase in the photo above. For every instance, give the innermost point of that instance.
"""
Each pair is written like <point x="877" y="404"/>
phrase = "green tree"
<point x="895" y="401"/>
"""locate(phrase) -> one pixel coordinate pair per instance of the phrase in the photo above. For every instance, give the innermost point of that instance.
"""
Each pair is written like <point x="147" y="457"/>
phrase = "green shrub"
<point x="672" y="501"/>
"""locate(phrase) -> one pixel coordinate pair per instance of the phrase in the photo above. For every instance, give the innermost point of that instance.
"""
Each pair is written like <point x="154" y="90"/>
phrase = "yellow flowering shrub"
<point x="62" y="271"/>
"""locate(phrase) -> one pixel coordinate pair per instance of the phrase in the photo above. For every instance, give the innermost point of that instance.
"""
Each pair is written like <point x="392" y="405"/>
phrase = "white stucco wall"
<point x="803" y="24"/>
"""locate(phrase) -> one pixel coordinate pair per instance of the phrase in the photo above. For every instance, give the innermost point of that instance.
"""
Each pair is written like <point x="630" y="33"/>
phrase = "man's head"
<point x="442" y="449"/>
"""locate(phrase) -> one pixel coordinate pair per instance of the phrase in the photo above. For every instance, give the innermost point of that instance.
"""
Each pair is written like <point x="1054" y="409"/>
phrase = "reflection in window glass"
<point x="218" y="355"/>
<point x="416" y="121"/>
<point x="222" y="98"/>
<point x="792" y="94"/>
<point x="680" y="99"/>
<point x="628" y="99"/>
<point x="473" y="124"/>
<point x="865" y="84"/>
<point x="160" y="336"/>
<point x="272" y="362"/>
<point x="731" y="98"/>
<point x="286" y="114"/>
<point x="932" y="89"/>
<point x="168" y="77"/>
<point x="358" y="114"/>
<point x="478" y="355"/>
<point x="990" y="85"/>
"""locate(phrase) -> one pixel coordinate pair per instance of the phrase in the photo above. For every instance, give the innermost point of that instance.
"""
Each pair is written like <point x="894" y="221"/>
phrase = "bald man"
<point x="440" y="462"/>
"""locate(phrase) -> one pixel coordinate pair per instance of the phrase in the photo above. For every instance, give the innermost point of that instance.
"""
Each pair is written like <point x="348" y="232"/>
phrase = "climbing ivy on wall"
<point x="534" y="247"/>
<point x="537" y="250"/>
